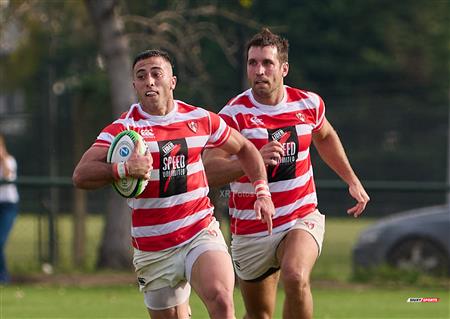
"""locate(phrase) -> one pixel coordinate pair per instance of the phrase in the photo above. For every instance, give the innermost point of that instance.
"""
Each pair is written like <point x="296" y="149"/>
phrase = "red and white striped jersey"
<point x="174" y="206"/>
<point x="291" y="182"/>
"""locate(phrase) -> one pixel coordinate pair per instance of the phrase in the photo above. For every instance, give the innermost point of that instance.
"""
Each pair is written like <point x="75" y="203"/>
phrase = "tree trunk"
<point x="115" y="250"/>
<point x="80" y="200"/>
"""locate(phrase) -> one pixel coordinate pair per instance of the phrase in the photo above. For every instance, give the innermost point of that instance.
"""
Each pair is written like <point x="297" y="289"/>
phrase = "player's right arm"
<point x="93" y="171"/>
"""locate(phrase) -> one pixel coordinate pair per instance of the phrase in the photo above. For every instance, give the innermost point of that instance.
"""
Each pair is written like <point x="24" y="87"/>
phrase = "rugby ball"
<point x="120" y="150"/>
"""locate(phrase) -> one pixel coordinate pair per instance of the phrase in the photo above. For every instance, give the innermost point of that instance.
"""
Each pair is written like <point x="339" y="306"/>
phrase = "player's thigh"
<point x="298" y="253"/>
<point x="260" y="296"/>
<point x="212" y="272"/>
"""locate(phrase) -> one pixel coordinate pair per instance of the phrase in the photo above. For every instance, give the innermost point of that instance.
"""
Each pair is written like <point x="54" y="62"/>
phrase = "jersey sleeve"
<point x="106" y="136"/>
<point x="319" y="108"/>
<point x="228" y="118"/>
<point x="220" y="131"/>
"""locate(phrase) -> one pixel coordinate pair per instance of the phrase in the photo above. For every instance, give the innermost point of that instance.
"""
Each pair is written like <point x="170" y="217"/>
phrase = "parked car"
<point x="418" y="239"/>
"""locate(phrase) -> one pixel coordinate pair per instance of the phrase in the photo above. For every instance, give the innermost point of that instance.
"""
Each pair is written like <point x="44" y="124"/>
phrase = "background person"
<point x="282" y="122"/>
<point x="9" y="198"/>
<point x="177" y="241"/>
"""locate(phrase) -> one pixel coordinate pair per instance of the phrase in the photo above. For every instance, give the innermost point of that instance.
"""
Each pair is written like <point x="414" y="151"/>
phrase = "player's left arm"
<point x="330" y="149"/>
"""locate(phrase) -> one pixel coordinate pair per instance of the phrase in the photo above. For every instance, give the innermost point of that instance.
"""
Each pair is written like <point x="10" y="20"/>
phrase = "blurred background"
<point x="382" y="68"/>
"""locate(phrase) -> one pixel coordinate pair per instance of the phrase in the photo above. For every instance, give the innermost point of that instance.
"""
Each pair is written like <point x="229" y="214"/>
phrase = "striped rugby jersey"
<point x="291" y="182"/>
<point x="174" y="206"/>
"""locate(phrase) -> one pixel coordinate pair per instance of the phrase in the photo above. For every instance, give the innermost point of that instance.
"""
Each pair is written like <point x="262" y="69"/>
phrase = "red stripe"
<point x="157" y="243"/>
<point x="222" y="139"/>
<point x="158" y="216"/>
<point x="246" y="227"/>
<point x="241" y="100"/>
<point x="228" y="120"/>
<point x="294" y="94"/>
<point x="273" y="122"/>
<point x="279" y="199"/>
<point x="194" y="181"/>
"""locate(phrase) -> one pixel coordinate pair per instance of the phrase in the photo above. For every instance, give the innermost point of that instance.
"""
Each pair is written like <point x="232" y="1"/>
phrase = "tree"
<point x="115" y="248"/>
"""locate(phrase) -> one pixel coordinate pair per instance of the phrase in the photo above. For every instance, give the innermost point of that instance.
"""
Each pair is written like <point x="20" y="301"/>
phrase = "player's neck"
<point x="274" y="98"/>
<point x="159" y="109"/>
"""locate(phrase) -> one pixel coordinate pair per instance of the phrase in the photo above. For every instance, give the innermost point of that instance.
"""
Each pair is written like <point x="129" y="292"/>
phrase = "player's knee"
<point x="223" y="300"/>
<point x="295" y="280"/>
<point x="220" y="300"/>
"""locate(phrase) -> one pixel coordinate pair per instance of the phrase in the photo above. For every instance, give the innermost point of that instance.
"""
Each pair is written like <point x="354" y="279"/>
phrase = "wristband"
<point x="120" y="170"/>
<point x="261" y="188"/>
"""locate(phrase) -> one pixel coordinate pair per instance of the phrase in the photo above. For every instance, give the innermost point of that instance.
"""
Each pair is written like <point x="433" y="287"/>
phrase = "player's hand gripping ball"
<point x="119" y="151"/>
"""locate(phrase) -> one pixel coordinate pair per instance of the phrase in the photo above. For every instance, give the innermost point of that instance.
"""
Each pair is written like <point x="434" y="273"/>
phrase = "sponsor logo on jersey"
<point x="173" y="167"/>
<point x="256" y="120"/>
<point x="148" y="132"/>
<point x="277" y="135"/>
<point x="286" y="166"/>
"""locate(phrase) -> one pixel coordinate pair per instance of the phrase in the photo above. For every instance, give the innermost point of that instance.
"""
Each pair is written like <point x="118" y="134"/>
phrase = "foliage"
<point x="368" y="60"/>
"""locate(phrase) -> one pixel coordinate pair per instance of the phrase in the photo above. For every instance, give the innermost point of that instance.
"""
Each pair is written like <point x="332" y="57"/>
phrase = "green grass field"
<point x="126" y="302"/>
<point x="335" y="295"/>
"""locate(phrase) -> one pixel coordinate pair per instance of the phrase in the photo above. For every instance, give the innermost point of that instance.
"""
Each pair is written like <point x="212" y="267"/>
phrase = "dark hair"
<point x="266" y="38"/>
<point x="152" y="53"/>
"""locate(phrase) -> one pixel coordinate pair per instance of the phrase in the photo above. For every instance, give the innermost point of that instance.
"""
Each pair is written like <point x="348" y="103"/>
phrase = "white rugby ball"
<point x="120" y="150"/>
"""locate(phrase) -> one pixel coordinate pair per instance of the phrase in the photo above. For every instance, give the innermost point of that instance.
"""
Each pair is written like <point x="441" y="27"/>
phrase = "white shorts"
<point x="256" y="257"/>
<point x="163" y="276"/>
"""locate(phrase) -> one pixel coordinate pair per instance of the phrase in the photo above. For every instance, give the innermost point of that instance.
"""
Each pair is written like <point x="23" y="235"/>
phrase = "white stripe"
<point x="162" y="229"/>
<point x="165" y="202"/>
<point x="152" y="147"/>
<point x="105" y="137"/>
<point x="314" y="98"/>
<point x="195" y="167"/>
<point x="294" y="106"/>
<point x="301" y="156"/>
<point x="191" y="169"/>
<point x="303" y="129"/>
<point x="249" y="214"/>
<point x="217" y="135"/>
<point x="197" y="141"/>
<point x="280" y="186"/>
<point x="319" y="119"/>
<point x="255" y="133"/>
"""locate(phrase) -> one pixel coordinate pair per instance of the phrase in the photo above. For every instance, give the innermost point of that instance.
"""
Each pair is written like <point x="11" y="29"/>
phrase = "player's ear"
<point x="285" y="68"/>
<point x="173" y="82"/>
